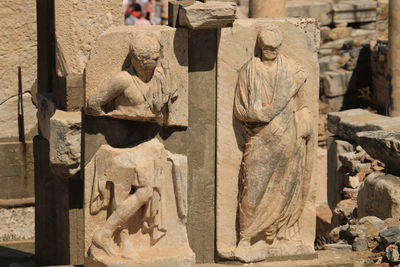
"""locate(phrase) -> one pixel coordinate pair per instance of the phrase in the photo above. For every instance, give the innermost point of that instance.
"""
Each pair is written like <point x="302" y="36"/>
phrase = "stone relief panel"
<point x="136" y="207"/>
<point x="139" y="73"/>
<point x="268" y="80"/>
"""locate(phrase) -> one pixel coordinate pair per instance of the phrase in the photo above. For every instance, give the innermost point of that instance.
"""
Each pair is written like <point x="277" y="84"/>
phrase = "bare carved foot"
<point x="128" y="251"/>
<point x="104" y="241"/>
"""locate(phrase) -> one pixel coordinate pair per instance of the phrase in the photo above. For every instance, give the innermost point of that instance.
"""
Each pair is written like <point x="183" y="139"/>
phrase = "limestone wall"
<point x="17" y="48"/>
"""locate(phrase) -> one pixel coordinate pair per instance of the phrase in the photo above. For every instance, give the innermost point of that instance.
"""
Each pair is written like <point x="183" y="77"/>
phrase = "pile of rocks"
<point x="364" y="183"/>
<point x="347" y="29"/>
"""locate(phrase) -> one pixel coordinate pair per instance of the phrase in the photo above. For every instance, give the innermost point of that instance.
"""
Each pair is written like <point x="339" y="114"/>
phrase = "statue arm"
<point x="116" y="85"/>
<point x="282" y="100"/>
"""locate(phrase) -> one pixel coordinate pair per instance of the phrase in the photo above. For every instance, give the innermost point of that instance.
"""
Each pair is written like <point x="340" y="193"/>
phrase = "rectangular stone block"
<point x="346" y="124"/>
<point x="320" y="10"/>
<point x="207" y="15"/>
<point x="236" y="47"/>
<point x="351" y="11"/>
<point x="336" y="175"/>
<point x="16" y="176"/>
<point x="337" y="83"/>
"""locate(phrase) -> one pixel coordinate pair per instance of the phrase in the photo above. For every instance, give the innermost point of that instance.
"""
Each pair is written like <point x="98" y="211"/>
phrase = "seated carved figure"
<point x="139" y="92"/>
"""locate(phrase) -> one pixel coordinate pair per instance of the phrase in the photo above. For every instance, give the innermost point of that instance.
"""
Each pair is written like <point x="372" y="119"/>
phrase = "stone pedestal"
<point x="394" y="56"/>
<point x="267" y="8"/>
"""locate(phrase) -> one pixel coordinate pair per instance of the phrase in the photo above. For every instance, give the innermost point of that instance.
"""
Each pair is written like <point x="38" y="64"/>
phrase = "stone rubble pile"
<point x="363" y="174"/>
<point x="352" y="34"/>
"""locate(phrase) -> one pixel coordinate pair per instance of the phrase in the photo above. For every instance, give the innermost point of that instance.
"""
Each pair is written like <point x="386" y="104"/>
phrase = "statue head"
<point x="145" y="53"/>
<point x="269" y="40"/>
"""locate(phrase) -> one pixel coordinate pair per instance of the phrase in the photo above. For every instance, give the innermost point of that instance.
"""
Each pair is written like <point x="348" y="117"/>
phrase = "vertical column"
<point x="394" y="56"/>
<point x="267" y="8"/>
<point x="201" y="149"/>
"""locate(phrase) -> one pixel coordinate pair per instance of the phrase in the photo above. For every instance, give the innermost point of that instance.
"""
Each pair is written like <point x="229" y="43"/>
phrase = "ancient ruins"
<point x="209" y="133"/>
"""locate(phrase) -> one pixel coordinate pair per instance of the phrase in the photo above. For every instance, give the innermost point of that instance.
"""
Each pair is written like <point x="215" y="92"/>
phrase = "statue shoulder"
<point x="250" y="63"/>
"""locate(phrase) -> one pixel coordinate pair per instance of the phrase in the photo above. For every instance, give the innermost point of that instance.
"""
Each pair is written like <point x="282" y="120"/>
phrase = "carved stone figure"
<point x="275" y="173"/>
<point x="143" y="193"/>
<point x="141" y="91"/>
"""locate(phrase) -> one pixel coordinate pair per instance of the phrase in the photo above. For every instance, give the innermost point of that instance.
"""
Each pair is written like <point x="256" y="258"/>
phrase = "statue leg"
<point x="103" y="238"/>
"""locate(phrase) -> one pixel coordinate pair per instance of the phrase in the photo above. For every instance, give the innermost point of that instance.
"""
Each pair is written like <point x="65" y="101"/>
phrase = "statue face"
<point x="145" y="62"/>
<point x="269" y="52"/>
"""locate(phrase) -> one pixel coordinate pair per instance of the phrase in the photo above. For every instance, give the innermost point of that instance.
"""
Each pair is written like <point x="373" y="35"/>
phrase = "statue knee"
<point x="144" y="194"/>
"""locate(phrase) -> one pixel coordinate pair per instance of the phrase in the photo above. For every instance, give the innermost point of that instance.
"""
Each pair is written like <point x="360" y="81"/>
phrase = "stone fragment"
<point x="338" y="247"/>
<point x="340" y="32"/>
<point x="336" y="171"/>
<point x="344" y="212"/>
<point x="352" y="181"/>
<point x="379" y="195"/>
<point x="329" y="63"/>
<point x="350" y="193"/>
<point x="65" y="143"/>
<point x="207" y="15"/>
<point x="357" y="230"/>
<point x="236" y="53"/>
<point x="338" y="44"/>
<point x="17" y="224"/>
<point x="112" y="70"/>
<point x="320" y="10"/>
<point x="383" y="146"/>
<point x="337" y="83"/>
<point x="390" y="235"/>
<point x="392" y="253"/>
<point x="346" y="124"/>
<point x="372" y="220"/>
<point x="353" y="11"/>
<point x="9" y="118"/>
<point x="360" y="244"/>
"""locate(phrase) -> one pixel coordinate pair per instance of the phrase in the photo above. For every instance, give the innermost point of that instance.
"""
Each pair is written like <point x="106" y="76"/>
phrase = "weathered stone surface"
<point x="380" y="72"/>
<point x="320" y="10"/>
<point x="112" y="92"/>
<point x="78" y="25"/>
<point x="9" y="118"/>
<point x="329" y="63"/>
<point x="320" y="174"/>
<point x="390" y="235"/>
<point x="394" y="62"/>
<point x="207" y="15"/>
<point x="17" y="224"/>
<point x="143" y="188"/>
<point x="337" y="83"/>
<point x="383" y="146"/>
<point x="18" y="48"/>
<point x="360" y="244"/>
<point x="46" y="109"/>
<point x="65" y="143"/>
<point x="379" y="196"/>
<point x="16" y="165"/>
<point x="351" y="11"/>
<point x="348" y="123"/>
<point x="269" y="9"/>
<point x="372" y="220"/>
<point x="344" y="212"/>
<point x="236" y="47"/>
<point x="336" y="147"/>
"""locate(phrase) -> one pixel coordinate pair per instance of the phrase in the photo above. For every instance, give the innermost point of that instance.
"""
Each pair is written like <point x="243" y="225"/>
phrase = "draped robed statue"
<point x="275" y="171"/>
